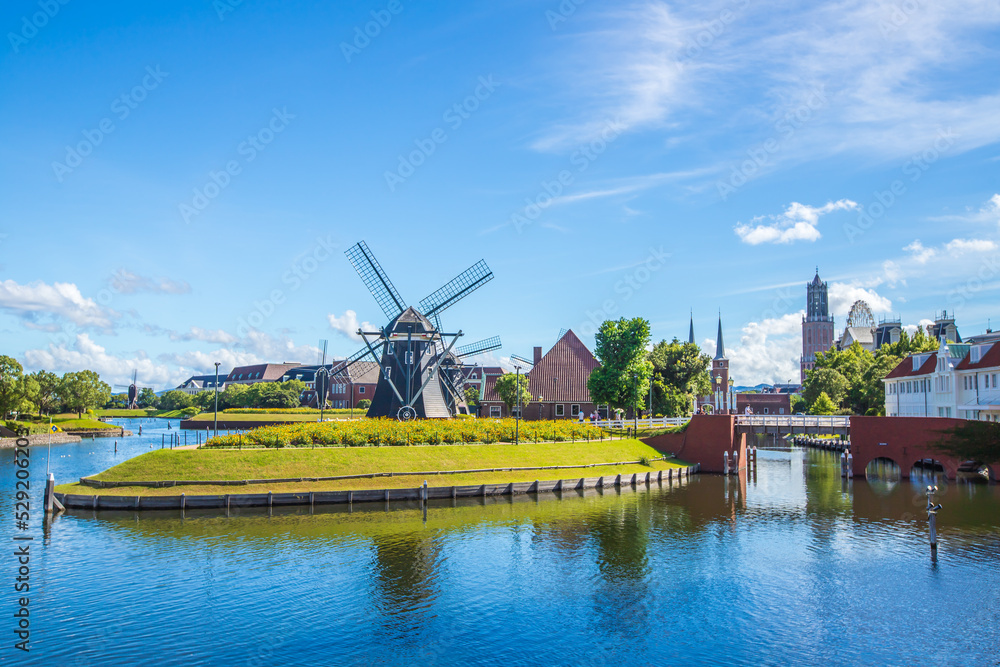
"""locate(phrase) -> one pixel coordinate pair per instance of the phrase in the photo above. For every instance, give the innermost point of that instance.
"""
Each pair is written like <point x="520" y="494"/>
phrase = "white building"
<point x="959" y="380"/>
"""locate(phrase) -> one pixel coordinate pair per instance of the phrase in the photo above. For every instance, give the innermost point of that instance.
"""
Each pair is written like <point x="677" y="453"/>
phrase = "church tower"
<point x="720" y="375"/>
<point x="817" y="325"/>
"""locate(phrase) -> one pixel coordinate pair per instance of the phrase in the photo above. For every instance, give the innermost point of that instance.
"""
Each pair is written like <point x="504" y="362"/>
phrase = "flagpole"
<point x="48" y="454"/>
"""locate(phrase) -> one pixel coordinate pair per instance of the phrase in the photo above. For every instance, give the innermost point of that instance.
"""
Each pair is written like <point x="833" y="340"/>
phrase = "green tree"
<point x="205" y="400"/>
<point x="48" y="391"/>
<point x="117" y="401"/>
<point x="825" y="381"/>
<point x="472" y="396"/>
<point x="82" y="391"/>
<point x="622" y="379"/>
<point x="235" y="396"/>
<point x="823" y="406"/>
<point x="146" y="398"/>
<point x="977" y="441"/>
<point x="680" y="371"/>
<point x="507" y="389"/>
<point x="799" y="404"/>
<point x="176" y="400"/>
<point x="364" y="404"/>
<point x="11" y="388"/>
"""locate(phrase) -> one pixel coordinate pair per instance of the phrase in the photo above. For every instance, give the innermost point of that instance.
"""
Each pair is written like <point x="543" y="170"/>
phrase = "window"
<point x="560" y="410"/>
<point x="574" y="410"/>
<point x="392" y="348"/>
<point x="361" y="390"/>
<point x="516" y="412"/>
<point x="781" y="411"/>
<point x="766" y="411"/>
<point x="409" y="357"/>
<point x="387" y="372"/>
<point x="495" y="411"/>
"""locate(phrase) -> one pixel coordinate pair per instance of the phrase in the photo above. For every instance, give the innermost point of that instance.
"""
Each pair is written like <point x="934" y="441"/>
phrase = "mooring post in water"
<point x="163" y="439"/>
<point x="725" y="463"/>
<point x="425" y="491"/>
<point x="932" y="511"/>
<point x="850" y="464"/>
<point x="116" y="446"/>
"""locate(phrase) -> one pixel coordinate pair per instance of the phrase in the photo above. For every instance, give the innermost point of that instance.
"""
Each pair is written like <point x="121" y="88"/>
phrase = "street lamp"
<point x="540" y="399"/>
<point x="216" y="420"/>
<point x="732" y="396"/>
<point x="635" y="404"/>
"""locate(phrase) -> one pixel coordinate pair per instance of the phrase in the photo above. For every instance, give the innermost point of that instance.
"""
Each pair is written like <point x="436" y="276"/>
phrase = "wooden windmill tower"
<point x="412" y="349"/>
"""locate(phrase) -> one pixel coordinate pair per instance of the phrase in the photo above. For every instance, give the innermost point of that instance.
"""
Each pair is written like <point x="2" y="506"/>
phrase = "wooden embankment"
<point x="226" y="501"/>
<point x="835" y="445"/>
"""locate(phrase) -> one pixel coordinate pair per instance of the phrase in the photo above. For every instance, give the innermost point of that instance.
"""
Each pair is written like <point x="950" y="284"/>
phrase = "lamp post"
<point x="718" y="393"/>
<point x="732" y="397"/>
<point x="216" y="420"/>
<point x="635" y="404"/>
<point x="517" y="417"/>
<point x="540" y="399"/>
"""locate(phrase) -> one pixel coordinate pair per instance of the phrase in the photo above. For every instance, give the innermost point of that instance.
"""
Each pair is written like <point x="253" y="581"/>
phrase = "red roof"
<point x="905" y="368"/>
<point x="259" y="372"/>
<point x="989" y="360"/>
<point x="561" y="375"/>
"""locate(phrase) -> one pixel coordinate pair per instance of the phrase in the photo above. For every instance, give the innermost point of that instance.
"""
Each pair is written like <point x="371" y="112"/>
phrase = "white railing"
<point x="655" y="422"/>
<point x="797" y="421"/>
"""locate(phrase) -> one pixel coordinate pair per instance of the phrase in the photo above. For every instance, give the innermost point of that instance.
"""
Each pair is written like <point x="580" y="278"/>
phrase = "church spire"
<point x="720" y="347"/>
<point x="691" y="330"/>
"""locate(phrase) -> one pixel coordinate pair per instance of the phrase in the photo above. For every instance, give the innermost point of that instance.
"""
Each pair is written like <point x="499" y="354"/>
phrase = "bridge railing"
<point x="796" y="421"/>
<point x="655" y="422"/>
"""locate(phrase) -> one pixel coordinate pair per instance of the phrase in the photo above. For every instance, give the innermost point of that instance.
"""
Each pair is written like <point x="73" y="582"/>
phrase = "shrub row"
<point x="288" y="411"/>
<point x="374" y="432"/>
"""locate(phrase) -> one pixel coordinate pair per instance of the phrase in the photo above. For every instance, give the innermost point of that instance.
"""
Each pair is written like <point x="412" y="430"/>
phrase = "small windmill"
<point x="414" y="348"/>
<point x="132" y="390"/>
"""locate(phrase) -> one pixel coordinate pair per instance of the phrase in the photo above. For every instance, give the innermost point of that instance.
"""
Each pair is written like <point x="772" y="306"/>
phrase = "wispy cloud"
<point x="39" y="302"/>
<point x="126" y="282"/>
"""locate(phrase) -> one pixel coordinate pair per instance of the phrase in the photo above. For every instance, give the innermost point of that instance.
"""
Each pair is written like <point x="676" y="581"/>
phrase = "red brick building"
<point x="557" y="382"/>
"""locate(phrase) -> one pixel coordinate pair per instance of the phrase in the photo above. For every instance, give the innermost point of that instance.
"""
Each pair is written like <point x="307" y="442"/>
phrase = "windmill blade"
<point x="521" y="361"/>
<point x="458" y="288"/>
<point x="562" y="332"/>
<point x="375" y="280"/>
<point x="323" y="342"/>
<point x="479" y="347"/>
<point x="350" y="361"/>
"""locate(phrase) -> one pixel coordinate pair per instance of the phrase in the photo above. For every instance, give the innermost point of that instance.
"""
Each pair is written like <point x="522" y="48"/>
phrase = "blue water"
<point x="792" y="566"/>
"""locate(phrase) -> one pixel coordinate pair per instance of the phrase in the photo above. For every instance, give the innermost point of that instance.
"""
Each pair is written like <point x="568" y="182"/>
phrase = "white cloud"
<point x="799" y="222"/>
<point x="768" y="351"/>
<point x="963" y="246"/>
<point x="278" y="349"/>
<point x="205" y="335"/>
<point x="843" y="295"/>
<point x="84" y="353"/>
<point x="348" y="325"/>
<point x="919" y="253"/>
<point x="39" y="300"/>
<point x="126" y="282"/>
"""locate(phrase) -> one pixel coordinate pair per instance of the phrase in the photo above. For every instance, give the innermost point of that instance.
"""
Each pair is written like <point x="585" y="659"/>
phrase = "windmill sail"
<point x="479" y="347"/>
<point x="376" y="280"/>
<point x="456" y="289"/>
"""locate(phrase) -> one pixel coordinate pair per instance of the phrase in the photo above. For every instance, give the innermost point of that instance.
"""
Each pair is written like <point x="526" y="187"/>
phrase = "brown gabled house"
<point x="557" y="382"/>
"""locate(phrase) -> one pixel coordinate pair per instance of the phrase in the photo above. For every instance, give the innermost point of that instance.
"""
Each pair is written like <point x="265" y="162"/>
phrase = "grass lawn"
<point x="81" y="424"/>
<point x="136" y="414"/>
<point x="331" y="461"/>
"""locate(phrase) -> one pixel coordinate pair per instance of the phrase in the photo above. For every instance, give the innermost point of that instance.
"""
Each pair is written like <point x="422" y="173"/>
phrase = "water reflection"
<point x="785" y="563"/>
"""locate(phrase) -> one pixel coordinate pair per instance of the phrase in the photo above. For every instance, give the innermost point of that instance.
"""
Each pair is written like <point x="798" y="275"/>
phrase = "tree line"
<point x="43" y="392"/>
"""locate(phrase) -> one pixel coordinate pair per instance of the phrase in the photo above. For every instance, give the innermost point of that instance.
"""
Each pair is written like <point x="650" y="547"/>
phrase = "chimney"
<point x="538" y="354"/>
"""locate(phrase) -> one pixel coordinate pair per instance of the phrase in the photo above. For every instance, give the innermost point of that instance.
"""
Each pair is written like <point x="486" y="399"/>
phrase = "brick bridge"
<point x="903" y="440"/>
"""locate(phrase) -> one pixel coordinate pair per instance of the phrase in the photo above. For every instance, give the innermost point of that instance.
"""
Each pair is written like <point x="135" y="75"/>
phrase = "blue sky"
<point x="179" y="182"/>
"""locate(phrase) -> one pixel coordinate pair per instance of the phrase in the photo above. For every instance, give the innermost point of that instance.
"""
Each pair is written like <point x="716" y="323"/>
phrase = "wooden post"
<point x="850" y="464"/>
<point x="725" y="463"/>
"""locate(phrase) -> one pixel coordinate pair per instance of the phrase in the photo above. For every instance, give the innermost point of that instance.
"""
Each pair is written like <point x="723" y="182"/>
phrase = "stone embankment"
<point x="41" y="439"/>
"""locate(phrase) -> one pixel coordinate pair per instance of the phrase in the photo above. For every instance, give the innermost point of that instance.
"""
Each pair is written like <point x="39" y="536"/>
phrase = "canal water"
<point x="789" y="565"/>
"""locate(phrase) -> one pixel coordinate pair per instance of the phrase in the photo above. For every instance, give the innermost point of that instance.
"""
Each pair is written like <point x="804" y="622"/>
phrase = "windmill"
<point x="420" y="365"/>
<point x="133" y="390"/>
